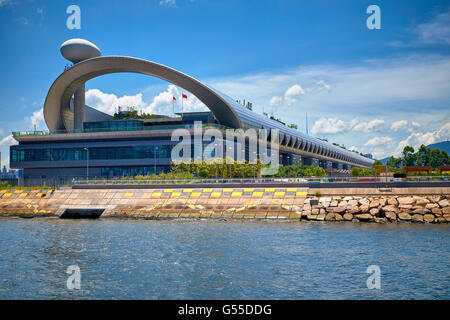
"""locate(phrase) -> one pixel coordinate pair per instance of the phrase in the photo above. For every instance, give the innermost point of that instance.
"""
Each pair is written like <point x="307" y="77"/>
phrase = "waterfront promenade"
<point x="356" y="203"/>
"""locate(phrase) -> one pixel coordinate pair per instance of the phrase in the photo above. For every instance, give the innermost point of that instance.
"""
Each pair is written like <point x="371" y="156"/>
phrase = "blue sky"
<point x="372" y="90"/>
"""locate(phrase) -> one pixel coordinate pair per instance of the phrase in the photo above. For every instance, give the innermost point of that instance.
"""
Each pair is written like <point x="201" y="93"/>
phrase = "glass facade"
<point x="126" y="125"/>
<point x="104" y="153"/>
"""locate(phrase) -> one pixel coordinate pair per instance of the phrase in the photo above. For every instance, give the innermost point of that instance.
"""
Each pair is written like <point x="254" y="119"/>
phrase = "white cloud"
<point x="161" y="103"/>
<point x="418" y="138"/>
<point x="7" y="141"/>
<point x="290" y="96"/>
<point x="435" y="31"/>
<point x="37" y="119"/>
<point x="169" y="3"/>
<point x="369" y="126"/>
<point x="109" y="102"/>
<point x="399" y="125"/>
<point x="328" y="126"/>
<point x="378" y="141"/>
<point x="404" y="125"/>
<point x="276" y="101"/>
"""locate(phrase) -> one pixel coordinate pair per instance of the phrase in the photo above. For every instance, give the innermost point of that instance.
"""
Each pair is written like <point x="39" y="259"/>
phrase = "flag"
<point x="184" y="96"/>
<point x="174" y="98"/>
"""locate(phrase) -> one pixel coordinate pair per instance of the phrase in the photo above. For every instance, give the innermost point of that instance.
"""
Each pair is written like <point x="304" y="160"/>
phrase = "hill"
<point x="444" y="145"/>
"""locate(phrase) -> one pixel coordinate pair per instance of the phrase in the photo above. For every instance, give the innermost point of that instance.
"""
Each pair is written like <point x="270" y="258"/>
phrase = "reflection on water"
<point x="141" y="259"/>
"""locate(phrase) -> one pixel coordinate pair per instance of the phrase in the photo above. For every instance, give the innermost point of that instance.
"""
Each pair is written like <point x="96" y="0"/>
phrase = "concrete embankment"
<point x="234" y="203"/>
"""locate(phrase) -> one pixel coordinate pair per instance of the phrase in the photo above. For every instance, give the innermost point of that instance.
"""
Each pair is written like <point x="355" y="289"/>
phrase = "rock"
<point x="352" y="203"/>
<point x="444" y="203"/>
<point x="353" y="210"/>
<point x="404" y="216"/>
<point x="374" y="204"/>
<point x="338" y="217"/>
<point x="312" y="217"/>
<point x="322" y="211"/>
<point x="405" y="200"/>
<point x="342" y="204"/>
<point x="306" y="213"/>
<point x="446" y="210"/>
<point x="307" y="206"/>
<point x="447" y="217"/>
<point x="431" y="206"/>
<point x="329" y="209"/>
<point x="364" y="207"/>
<point x="347" y="198"/>
<point x="330" y="216"/>
<point x="336" y="198"/>
<point x="437" y="211"/>
<point x="422" y="201"/>
<point x="363" y="201"/>
<point x="364" y="217"/>
<point x="390" y="215"/>
<point x="315" y="211"/>
<point x="374" y="211"/>
<point x="334" y="203"/>
<point x="417" y="218"/>
<point x="382" y="201"/>
<point x="380" y="220"/>
<point x="392" y="201"/>
<point x="390" y="208"/>
<point x="405" y="206"/>
<point x="324" y="200"/>
<point x="320" y="217"/>
<point x="349" y="217"/>
<point x="421" y="211"/>
<point x="441" y="220"/>
<point x="339" y="209"/>
<point x="428" y="218"/>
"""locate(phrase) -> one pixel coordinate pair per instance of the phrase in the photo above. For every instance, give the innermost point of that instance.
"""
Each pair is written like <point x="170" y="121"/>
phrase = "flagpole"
<point x="181" y="104"/>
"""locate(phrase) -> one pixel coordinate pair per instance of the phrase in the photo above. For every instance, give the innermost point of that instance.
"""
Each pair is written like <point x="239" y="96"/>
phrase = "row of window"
<point x="134" y="152"/>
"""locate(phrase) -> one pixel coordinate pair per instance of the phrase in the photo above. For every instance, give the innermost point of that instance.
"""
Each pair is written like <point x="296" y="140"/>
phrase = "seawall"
<point x="235" y="203"/>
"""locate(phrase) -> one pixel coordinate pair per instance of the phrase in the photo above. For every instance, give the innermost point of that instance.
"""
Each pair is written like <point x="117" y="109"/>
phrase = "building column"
<point x="79" y="108"/>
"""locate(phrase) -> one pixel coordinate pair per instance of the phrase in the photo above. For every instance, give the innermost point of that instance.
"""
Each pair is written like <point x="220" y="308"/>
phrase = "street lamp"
<point x="254" y="164"/>
<point x="87" y="165"/>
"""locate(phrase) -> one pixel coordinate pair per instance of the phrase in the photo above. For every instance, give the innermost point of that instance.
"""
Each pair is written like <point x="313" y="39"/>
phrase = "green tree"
<point x="408" y="156"/>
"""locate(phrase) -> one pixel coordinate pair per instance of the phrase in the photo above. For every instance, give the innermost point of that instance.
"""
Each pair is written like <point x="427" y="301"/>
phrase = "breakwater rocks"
<point x="424" y="209"/>
<point x="227" y="203"/>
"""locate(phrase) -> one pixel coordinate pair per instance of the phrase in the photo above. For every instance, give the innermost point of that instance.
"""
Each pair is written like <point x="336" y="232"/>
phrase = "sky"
<point x="371" y="90"/>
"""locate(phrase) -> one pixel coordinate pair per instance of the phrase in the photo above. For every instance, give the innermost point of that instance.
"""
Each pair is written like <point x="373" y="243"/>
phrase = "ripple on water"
<point x="129" y="259"/>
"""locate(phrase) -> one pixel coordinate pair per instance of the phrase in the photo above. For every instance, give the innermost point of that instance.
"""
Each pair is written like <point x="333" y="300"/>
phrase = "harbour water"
<point x="148" y="259"/>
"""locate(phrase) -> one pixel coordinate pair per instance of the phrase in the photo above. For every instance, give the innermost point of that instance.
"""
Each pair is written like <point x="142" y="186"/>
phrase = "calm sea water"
<point x="129" y="259"/>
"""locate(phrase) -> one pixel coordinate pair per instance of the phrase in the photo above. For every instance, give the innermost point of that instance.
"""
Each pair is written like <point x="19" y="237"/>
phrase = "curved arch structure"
<point x="59" y="116"/>
<point x="57" y="104"/>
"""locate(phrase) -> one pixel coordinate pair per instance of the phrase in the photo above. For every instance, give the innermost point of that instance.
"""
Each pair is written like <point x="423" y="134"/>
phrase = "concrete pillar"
<point x="79" y="108"/>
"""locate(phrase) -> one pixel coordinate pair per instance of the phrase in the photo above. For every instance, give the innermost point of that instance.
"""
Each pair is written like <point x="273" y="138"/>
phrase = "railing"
<point x="92" y="130"/>
<point x="309" y="180"/>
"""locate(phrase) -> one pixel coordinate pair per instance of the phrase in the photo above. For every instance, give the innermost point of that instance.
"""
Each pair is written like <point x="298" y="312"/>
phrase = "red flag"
<point x="184" y="96"/>
<point x="174" y="98"/>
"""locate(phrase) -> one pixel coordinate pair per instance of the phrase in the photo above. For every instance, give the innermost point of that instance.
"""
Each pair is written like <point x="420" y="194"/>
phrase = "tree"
<point x="293" y="126"/>
<point x="377" y="163"/>
<point x="408" y="156"/>
<point x="394" y="164"/>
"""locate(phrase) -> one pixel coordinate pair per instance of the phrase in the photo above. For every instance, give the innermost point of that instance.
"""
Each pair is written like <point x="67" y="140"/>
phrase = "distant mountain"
<point x="444" y="145"/>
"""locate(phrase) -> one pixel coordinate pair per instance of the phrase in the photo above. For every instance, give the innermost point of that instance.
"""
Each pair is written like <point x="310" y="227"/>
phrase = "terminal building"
<point x="82" y="141"/>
